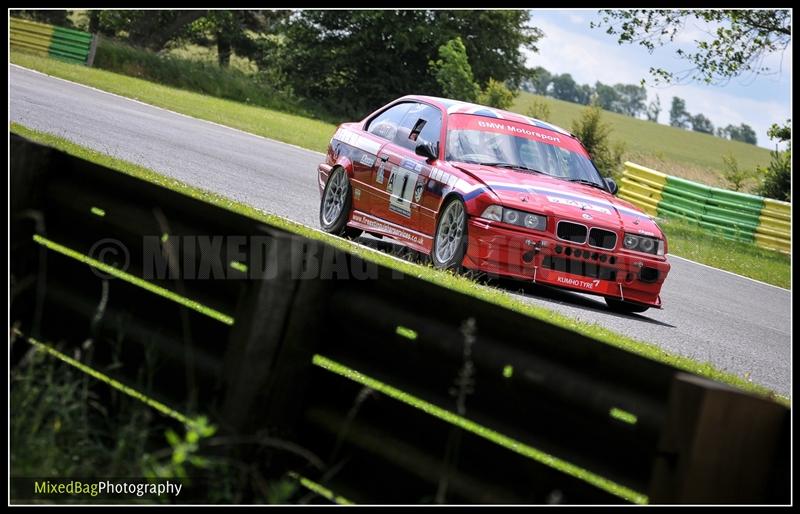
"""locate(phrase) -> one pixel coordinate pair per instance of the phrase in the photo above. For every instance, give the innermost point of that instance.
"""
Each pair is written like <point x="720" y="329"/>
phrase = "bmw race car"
<point x="494" y="191"/>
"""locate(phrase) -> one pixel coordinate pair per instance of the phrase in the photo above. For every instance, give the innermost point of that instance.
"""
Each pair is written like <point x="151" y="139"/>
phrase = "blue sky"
<point x="589" y="55"/>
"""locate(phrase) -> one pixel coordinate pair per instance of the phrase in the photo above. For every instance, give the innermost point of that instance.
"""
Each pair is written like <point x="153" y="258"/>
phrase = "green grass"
<point x="271" y="123"/>
<point x="444" y="279"/>
<point x="684" y="153"/>
<point x="747" y="259"/>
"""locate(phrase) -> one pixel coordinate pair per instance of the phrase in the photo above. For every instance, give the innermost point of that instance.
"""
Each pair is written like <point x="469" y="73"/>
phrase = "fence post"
<point x="273" y="339"/>
<point x="719" y="445"/>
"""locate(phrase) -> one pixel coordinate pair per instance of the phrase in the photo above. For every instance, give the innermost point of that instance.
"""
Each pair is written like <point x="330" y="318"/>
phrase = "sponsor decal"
<point x="646" y="233"/>
<point x="387" y="228"/>
<point x="367" y="160"/>
<point x="418" y="191"/>
<point x="577" y="204"/>
<point x="401" y="188"/>
<point x="357" y="141"/>
<point x="411" y="165"/>
<point x="586" y="284"/>
<point x="379" y="177"/>
<point x="356" y="193"/>
<point x="586" y="216"/>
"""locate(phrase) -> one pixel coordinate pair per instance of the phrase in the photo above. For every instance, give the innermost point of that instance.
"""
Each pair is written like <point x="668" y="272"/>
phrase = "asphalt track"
<point x="740" y="325"/>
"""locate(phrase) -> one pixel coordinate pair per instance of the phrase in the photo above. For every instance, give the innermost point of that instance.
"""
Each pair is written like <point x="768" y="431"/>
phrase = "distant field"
<point x="674" y="151"/>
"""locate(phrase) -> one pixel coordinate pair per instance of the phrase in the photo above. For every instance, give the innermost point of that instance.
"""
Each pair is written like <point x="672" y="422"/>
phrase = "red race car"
<point x="494" y="191"/>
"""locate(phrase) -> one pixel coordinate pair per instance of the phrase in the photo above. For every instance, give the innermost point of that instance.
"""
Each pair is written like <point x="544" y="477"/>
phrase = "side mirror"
<point x="612" y="186"/>
<point x="427" y="150"/>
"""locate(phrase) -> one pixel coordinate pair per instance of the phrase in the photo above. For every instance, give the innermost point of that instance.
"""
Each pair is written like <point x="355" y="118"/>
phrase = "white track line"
<point x="311" y="151"/>
<point x="670" y="256"/>
<point x="166" y="110"/>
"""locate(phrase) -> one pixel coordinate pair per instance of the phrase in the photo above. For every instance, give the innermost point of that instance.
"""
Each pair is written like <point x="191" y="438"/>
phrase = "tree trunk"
<point x="223" y="49"/>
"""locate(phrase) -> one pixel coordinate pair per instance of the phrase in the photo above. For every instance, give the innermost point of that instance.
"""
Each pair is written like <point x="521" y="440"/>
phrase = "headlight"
<point x="514" y="217"/>
<point x="643" y="244"/>
<point x="493" y="212"/>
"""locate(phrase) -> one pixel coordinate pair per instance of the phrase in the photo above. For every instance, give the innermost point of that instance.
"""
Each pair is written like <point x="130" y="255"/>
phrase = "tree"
<point x="743" y="133"/>
<point x="50" y="16"/>
<point x="540" y="80"/>
<point x="152" y="30"/>
<point x="328" y="55"/>
<point x="740" y="40"/>
<point x="607" y="97"/>
<point x="595" y="136"/>
<point x="777" y="177"/>
<point x="653" y="110"/>
<point x="496" y="94"/>
<point x="631" y="99"/>
<point x="453" y="72"/>
<point x="238" y="31"/>
<point x="747" y="134"/>
<point x="539" y="110"/>
<point x="702" y="124"/>
<point x="678" y="116"/>
<point x="565" y="88"/>
<point x="733" y="173"/>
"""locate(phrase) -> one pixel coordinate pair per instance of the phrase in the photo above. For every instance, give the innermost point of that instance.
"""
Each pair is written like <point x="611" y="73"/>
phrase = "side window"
<point x="385" y="124"/>
<point x="421" y="123"/>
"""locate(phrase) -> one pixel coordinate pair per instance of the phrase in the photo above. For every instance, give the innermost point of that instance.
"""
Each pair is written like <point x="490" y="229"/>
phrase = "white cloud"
<point x="586" y="58"/>
<point x="590" y="55"/>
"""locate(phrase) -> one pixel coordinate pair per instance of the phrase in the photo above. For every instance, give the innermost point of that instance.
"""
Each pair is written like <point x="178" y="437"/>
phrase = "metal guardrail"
<point x="58" y="42"/>
<point x="397" y="384"/>
<point x="739" y="216"/>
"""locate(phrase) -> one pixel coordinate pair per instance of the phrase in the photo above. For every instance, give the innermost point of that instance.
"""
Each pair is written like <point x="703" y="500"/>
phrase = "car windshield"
<point x="505" y="144"/>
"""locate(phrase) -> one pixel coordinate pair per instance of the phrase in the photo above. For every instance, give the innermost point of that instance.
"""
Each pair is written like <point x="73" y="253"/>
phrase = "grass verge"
<point x="274" y="124"/>
<point x="741" y="258"/>
<point x="453" y="282"/>
<point x="747" y="259"/>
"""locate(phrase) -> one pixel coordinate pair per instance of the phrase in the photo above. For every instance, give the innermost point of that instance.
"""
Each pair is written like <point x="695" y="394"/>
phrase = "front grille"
<point x="573" y="232"/>
<point x="600" y="238"/>
<point x="582" y="268"/>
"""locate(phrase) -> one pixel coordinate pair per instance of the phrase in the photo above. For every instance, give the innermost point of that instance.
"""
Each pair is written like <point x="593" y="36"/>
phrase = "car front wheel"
<point x="450" y="242"/>
<point x="625" y="307"/>
<point x="335" y="206"/>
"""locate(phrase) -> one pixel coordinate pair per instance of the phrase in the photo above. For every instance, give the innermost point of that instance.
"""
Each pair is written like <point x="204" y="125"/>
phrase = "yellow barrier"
<point x="774" y="229"/>
<point x="642" y="187"/>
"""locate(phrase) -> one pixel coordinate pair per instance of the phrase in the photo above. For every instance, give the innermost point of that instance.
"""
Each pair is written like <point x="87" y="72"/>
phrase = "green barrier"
<point x="58" y="42"/>
<point x="732" y="214"/>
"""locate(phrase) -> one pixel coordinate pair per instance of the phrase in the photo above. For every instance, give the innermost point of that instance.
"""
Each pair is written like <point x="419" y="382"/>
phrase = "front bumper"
<point x="540" y="257"/>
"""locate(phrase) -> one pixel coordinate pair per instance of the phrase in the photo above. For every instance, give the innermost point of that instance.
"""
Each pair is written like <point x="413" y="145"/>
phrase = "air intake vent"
<point x="600" y="238"/>
<point x="572" y="232"/>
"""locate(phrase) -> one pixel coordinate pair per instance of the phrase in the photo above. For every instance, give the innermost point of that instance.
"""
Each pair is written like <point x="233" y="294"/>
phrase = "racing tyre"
<point x="450" y="241"/>
<point x="335" y="206"/>
<point x="625" y="307"/>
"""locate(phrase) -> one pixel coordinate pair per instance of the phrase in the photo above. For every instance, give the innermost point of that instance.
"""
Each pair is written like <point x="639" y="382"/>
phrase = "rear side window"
<point x="386" y="123"/>
<point x="422" y="123"/>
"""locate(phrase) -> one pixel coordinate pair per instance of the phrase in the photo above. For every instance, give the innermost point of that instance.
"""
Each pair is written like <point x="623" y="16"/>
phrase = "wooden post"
<point x="719" y="445"/>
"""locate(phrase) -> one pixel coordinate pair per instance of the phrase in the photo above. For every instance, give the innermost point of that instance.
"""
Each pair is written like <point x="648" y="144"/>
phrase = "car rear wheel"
<point x="450" y="241"/>
<point x="335" y="206"/>
<point x="625" y="307"/>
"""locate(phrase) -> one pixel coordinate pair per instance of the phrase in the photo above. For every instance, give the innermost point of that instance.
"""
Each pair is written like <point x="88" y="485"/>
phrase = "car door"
<point x="384" y="126"/>
<point x="406" y="173"/>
